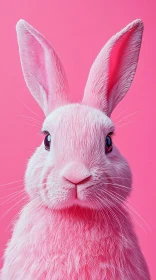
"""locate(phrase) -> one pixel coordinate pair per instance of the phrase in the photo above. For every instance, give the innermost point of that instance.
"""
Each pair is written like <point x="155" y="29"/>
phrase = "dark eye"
<point x="47" y="141"/>
<point x="108" y="144"/>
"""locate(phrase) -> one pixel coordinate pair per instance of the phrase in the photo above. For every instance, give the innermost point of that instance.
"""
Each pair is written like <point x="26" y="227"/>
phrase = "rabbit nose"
<point x="76" y="173"/>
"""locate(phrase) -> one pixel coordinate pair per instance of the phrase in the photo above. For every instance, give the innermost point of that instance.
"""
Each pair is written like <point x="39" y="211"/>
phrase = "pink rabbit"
<point x="75" y="226"/>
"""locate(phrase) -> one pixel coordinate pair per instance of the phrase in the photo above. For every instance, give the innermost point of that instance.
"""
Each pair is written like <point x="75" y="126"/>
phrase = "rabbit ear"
<point x="114" y="68"/>
<point x="42" y="69"/>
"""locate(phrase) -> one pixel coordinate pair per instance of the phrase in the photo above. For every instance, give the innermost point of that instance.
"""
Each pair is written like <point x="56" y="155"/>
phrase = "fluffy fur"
<point x="75" y="225"/>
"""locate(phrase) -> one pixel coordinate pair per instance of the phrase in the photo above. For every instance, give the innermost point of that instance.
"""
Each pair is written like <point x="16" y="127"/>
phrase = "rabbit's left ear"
<point x="42" y="69"/>
<point x="114" y="68"/>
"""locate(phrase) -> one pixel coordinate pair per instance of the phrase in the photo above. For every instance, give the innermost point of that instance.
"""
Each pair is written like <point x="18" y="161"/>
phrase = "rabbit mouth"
<point x="79" y="197"/>
<point x="74" y="195"/>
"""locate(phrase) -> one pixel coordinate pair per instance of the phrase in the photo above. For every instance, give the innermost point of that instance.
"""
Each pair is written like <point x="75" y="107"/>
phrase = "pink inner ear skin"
<point x="116" y="59"/>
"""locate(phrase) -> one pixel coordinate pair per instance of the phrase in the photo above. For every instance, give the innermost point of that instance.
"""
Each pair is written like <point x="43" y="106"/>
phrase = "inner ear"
<point x="117" y="57"/>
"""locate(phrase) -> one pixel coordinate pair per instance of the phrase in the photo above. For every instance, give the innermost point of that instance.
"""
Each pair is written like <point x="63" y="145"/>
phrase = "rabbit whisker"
<point x="35" y="125"/>
<point x="125" y="124"/>
<point x="14" y="188"/>
<point x="128" y="207"/>
<point x="132" y="114"/>
<point x="120" y="113"/>
<point x="30" y="110"/>
<point x="23" y="198"/>
<point x="12" y="195"/>
<point x="112" y="213"/>
<point x="112" y="177"/>
<point x="11" y="183"/>
<point x="29" y="118"/>
<point x="114" y="184"/>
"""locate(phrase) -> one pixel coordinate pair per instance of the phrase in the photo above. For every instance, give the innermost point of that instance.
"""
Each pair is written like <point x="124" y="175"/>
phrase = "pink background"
<point x="77" y="30"/>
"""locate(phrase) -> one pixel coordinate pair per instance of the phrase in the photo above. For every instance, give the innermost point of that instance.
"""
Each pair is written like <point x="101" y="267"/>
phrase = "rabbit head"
<point x="77" y="163"/>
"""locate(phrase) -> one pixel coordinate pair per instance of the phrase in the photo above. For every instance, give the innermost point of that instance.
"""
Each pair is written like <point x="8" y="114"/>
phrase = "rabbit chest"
<point x="73" y="244"/>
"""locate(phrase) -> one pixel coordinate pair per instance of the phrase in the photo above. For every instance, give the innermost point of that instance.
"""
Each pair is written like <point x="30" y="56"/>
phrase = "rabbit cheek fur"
<point x="75" y="225"/>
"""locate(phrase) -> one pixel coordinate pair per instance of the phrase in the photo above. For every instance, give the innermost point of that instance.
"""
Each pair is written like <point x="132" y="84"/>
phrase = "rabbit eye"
<point x="47" y="141"/>
<point x="108" y="144"/>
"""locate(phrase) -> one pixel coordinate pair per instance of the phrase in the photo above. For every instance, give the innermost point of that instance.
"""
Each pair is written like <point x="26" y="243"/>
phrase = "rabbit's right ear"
<point x="114" y="68"/>
<point x="42" y="69"/>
